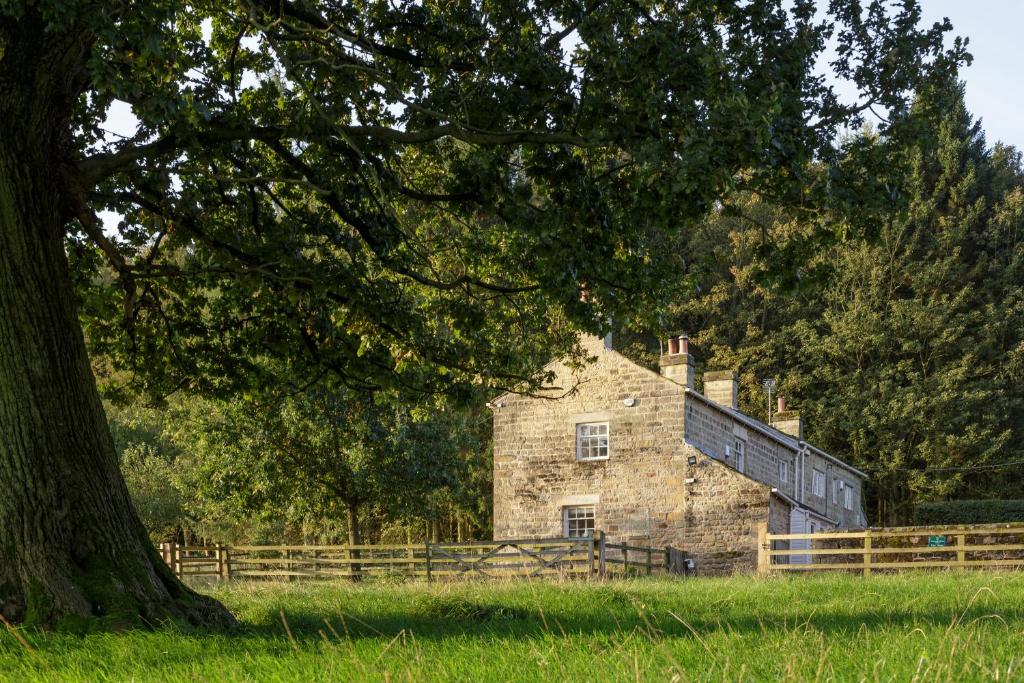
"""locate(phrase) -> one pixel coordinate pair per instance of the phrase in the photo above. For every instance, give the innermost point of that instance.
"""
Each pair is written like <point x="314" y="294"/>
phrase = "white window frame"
<point x="578" y="513"/>
<point x="740" y="452"/>
<point x="580" y="436"/>
<point x="848" y="497"/>
<point x="818" y="485"/>
<point x="783" y="471"/>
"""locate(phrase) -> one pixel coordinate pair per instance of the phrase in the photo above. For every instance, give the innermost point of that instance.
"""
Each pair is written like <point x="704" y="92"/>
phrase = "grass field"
<point x="939" y="626"/>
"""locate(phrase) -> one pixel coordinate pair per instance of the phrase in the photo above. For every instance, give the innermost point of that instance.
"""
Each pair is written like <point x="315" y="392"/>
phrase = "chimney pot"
<point x="782" y="404"/>
<point x="677" y="363"/>
<point x="684" y="344"/>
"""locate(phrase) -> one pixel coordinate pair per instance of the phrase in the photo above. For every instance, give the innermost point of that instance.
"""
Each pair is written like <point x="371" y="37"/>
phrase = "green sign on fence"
<point x="936" y="541"/>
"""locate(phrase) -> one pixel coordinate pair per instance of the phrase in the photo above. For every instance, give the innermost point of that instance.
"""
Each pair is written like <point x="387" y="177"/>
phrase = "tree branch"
<point x="99" y="166"/>
<point x="95" y="168"/>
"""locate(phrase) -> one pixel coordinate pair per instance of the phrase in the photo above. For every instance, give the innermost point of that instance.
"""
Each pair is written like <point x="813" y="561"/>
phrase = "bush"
<point x="149" y="476"/>
<point x="969" y="512"/>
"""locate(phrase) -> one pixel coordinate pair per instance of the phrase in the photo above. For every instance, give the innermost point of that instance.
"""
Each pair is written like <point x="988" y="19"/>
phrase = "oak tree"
<point x="380" y="193"/>
<point x="328" y="453"/>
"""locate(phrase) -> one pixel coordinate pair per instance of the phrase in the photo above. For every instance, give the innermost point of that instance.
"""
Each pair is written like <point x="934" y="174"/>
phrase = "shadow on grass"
<point x="608" y="613"/>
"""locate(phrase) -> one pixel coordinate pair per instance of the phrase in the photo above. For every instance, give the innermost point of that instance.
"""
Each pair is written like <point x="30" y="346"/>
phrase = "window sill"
<point x="593" y="459"/>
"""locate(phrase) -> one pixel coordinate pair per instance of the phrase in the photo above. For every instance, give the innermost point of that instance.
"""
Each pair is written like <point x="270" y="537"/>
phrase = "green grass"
<point x="939" y="626"/>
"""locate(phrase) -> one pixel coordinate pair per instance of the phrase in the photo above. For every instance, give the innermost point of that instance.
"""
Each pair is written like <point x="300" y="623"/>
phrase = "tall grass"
<point x="926" y="627"/>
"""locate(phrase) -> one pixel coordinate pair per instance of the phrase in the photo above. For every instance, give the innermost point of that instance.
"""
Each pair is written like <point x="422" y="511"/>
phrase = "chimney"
<point x="677" y="364"/>
<point x="788" y="421"/>
<point x="722" y="388"/>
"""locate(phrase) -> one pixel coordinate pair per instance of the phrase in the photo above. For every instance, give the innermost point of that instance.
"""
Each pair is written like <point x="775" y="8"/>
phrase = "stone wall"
<point x="831" y="505"/>
<point x="536" y="472"/>
<point x="721" y="511"/>
<point x="778" y="515"/>
<point x="646" y="491"/>
<point x="778" y="523"/>
<point x="711" y="430"/>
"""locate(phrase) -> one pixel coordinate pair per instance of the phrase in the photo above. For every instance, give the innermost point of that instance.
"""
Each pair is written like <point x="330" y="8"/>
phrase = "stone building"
<point x="647" y="458"/>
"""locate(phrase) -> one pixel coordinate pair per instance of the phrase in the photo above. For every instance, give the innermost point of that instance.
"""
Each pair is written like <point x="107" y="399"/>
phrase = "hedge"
<point x="969" y="512"/>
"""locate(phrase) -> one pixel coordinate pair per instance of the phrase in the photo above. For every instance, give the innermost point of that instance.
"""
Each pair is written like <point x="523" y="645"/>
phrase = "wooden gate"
<point x="677" y="561"/>
<point x="553" y="557"/>
<point x="563" y="557"/>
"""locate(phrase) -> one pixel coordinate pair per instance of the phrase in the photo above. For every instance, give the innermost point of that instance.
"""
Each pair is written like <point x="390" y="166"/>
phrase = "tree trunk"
<point x="72" y="549"/>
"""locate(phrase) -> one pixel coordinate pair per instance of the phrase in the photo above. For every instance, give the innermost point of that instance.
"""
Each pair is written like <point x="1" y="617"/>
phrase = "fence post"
<point x="176" y="559"/>
<point x="223" y="570"/>
<point x="427" y="544"/>
<point x="650" y="565"/>
<point x="867" y="552"/>
<point x="668" y="562"/>
<point x="165" y="553"/>
<point x="961" y="554"/>
<point x="601" y="568"/>
<point x="625" y="557"/>
<point x="764" y="559"/>
<point x="411" y="552"/>
<point x="590" y="554"/>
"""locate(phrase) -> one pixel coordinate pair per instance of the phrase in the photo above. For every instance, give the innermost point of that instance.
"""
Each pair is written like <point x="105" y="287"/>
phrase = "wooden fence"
<point x="560" y="557"/>
<point x="894" y="549"/>
<point x="632" y="560"/>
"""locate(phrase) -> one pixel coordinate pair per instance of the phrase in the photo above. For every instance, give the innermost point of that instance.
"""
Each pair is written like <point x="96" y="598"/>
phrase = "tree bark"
<point x="73" y="552"/>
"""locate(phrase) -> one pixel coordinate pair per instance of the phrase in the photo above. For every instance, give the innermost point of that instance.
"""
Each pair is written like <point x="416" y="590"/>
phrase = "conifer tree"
<point x="901" y="345"/>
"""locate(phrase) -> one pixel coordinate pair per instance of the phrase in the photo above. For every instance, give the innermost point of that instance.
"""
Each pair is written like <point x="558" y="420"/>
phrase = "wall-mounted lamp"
<point x="691" y="460"/>
<point x="629" y="402"/>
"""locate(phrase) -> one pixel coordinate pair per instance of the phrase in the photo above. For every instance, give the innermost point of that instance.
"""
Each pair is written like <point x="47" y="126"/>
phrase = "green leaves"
<point x="281" y="463"/>
<point x="411" y="196"/>
<point x="896" y="341"/>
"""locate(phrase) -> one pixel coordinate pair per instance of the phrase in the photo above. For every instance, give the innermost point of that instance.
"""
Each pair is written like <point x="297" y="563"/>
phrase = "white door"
<point x="799" y="524"/>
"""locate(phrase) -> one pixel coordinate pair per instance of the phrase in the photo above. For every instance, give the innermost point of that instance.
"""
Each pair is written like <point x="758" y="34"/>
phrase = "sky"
<point x="995" y="80"/>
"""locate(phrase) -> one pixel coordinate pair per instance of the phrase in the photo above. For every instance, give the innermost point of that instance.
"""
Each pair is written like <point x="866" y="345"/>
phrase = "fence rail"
<point x="559" y="557"/>
<point x="632" y="560"/>
<point x="873" y="550"/>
